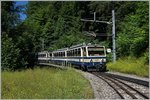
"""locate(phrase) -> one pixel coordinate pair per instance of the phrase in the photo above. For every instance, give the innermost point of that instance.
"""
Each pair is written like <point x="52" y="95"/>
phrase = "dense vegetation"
<point x="58" y="25"/>
<point x="45" y="83"/>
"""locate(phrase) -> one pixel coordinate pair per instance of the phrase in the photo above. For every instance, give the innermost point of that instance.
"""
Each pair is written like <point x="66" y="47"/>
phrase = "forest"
<point x="57" y="24"/>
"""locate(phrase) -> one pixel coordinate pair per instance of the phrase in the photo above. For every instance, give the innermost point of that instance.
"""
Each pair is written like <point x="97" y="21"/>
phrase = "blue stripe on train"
<point x="88" y="64"/>
<point x="86" y="57"/>
<point x="81" y="57"/>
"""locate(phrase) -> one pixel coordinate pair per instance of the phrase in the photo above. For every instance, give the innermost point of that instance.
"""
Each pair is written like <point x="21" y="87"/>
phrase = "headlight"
<point x="104" y="60"/>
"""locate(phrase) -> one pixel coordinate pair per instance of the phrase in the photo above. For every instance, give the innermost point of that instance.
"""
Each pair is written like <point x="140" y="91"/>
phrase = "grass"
<point x="45" y="83"/>
<point x="130" y="66"/>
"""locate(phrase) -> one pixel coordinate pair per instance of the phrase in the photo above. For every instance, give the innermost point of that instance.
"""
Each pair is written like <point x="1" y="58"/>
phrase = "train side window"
<point x="64" y="54"/>
<point x="79" y="52"/>
<point x="76" y="52"/>
<point x="84" y="51"/>
<point x="69" y="53"/>
<point x="73" y="52"/>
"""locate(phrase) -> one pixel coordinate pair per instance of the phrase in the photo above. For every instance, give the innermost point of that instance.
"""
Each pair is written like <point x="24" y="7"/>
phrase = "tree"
<point x="133" y="37"/>
<point x="10" y="55"/>
<point x="11" y="58"/>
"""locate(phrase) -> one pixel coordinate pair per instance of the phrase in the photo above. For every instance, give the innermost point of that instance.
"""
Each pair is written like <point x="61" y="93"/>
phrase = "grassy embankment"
<point x="130" y="66"/>
<point x="45" y="83"/>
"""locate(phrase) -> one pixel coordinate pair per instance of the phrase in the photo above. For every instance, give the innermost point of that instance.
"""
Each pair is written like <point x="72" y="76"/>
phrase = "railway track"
<point x="123" y="88"/>
<point x="129" y="79"/>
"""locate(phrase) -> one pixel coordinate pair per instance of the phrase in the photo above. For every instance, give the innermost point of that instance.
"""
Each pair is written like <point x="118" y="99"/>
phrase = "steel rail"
<point x="133" y="80"/>
<point x="111" y="86"/>
<point x="142" y="94"/>
<point x="124" y="89"/>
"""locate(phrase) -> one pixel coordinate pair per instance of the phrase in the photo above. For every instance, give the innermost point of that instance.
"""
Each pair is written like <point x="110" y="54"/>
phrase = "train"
<point x="88" y="57"/>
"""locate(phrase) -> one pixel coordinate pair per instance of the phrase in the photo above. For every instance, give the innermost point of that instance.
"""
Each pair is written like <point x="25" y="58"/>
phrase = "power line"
<point x="113" y="31"/>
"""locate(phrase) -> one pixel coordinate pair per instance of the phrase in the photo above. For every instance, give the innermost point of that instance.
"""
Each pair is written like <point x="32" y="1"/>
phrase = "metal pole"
<point x="43" y="44"/>
<point x="94" y="16"/>
<point x="113" y="36"/>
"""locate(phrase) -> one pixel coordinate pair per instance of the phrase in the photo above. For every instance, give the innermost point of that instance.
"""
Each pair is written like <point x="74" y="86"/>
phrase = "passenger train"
<point x="88" y="57"/>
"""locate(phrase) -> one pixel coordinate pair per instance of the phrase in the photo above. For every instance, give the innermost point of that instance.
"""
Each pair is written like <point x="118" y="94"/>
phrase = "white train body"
<point x="86" y="56"/>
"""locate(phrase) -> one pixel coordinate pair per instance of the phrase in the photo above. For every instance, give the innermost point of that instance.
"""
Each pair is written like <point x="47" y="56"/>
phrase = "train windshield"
<point x="96" y="51"/>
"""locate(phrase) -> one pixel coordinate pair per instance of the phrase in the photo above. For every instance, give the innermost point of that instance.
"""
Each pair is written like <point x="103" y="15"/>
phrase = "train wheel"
<point x="102" y="69"/>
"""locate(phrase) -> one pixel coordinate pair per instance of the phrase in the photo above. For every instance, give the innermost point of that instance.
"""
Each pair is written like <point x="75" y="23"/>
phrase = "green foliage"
<point x="45" y="83"/>
<point x="10" y="55"/>
<point x="9" y="16"/>
<point x="11" y="58"/>
<point x="133" y="37"/>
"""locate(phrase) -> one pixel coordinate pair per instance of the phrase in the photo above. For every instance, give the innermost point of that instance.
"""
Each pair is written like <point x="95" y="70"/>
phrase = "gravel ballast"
<point x="100" y="88"/>
<point x="103" y="91"/>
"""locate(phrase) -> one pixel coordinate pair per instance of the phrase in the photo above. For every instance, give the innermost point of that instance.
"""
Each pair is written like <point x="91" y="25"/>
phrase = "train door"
<point x="83" y="56"/>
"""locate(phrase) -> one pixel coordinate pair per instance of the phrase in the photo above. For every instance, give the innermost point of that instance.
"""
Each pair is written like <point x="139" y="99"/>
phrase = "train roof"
<point x="77" y="46"/>
<point x="84" y="44"/>
<point x="61" y="50"/>
<point x="42" y="52"/>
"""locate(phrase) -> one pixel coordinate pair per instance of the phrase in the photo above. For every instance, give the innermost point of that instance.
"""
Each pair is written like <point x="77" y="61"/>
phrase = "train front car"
<point x="95" y="59"/>
<point x="88" y="57"/>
